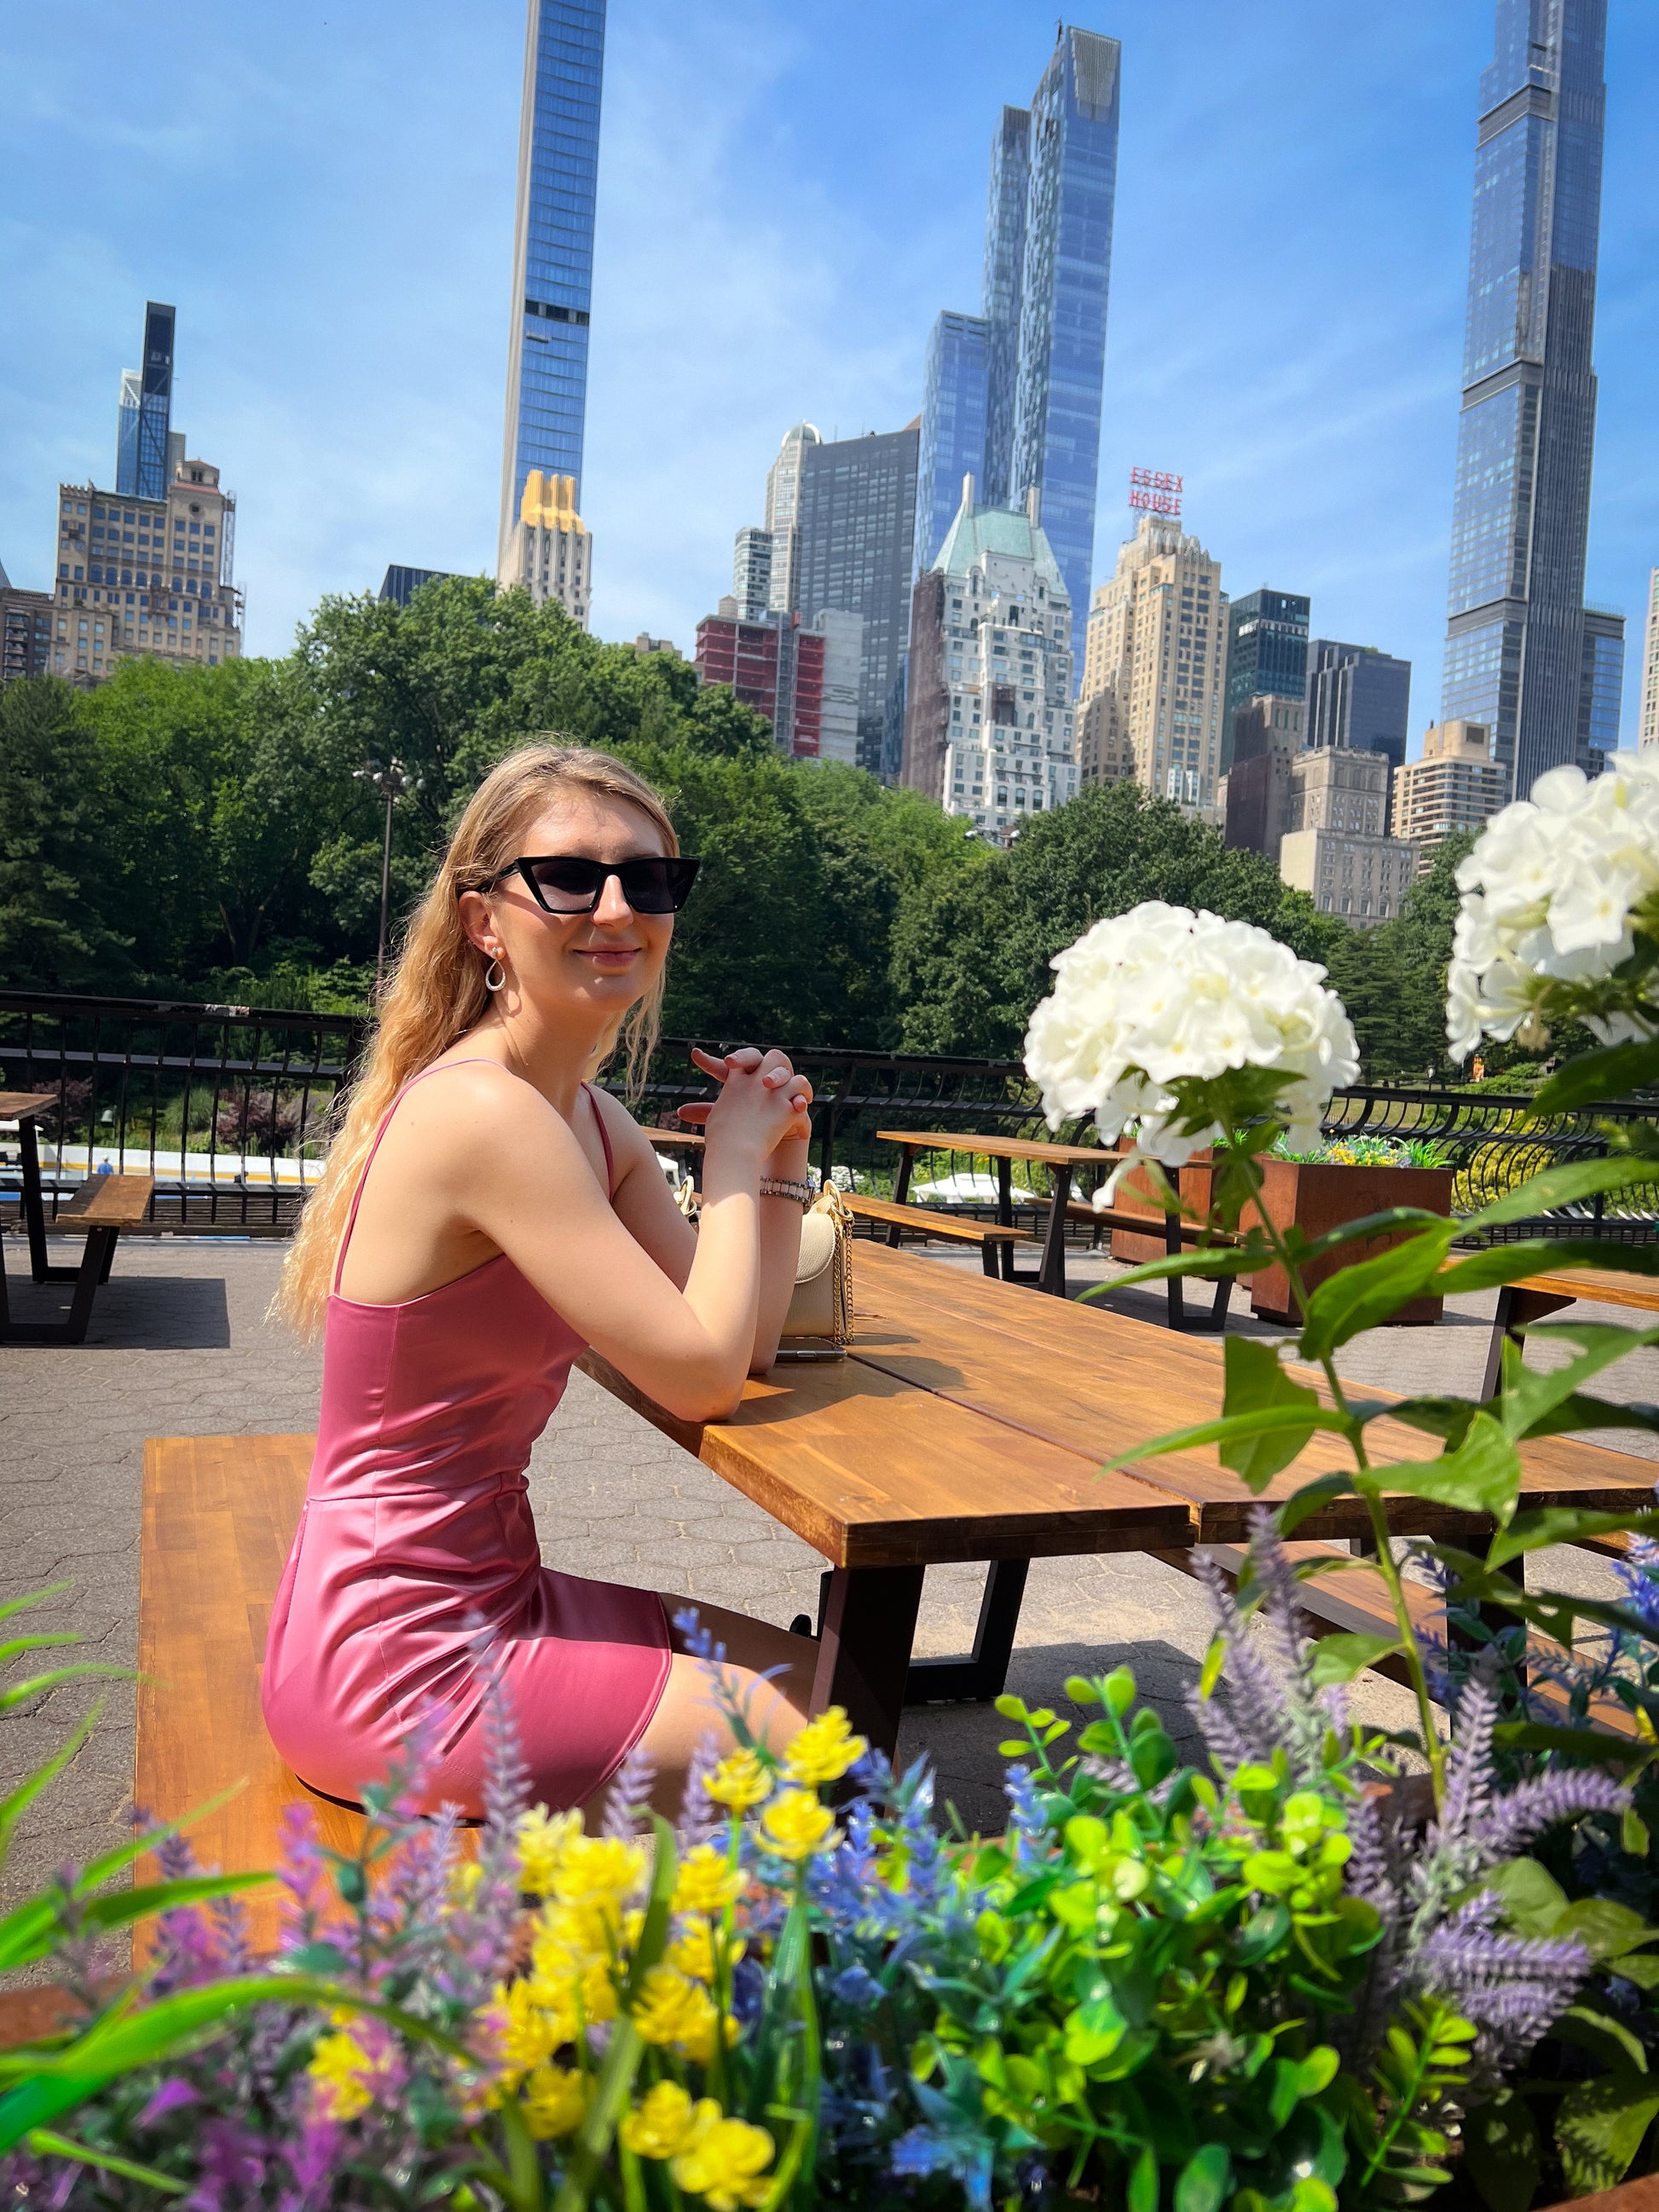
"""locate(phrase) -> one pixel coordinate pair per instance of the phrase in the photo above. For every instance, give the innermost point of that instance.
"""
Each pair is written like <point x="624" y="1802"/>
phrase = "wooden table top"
<point x="1607" y="1285"/>
<point x="1001" y="1148"/>
<point x="674" y="1140"/>
<point x="24" y="1105"/>
<point x="1098" y="1384"/>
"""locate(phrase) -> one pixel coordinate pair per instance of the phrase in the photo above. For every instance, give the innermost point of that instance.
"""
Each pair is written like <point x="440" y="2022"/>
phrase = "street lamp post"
<point x="392" y="781"/>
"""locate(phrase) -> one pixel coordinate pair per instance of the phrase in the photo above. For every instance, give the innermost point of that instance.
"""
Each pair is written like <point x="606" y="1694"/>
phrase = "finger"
<point x="747" y="1056"/>
<point x="696" y="1113"/>
<point x="709" y="1063"/>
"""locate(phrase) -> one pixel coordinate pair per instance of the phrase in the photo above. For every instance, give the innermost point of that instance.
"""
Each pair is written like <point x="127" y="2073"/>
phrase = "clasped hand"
<point x="762" y="1101"/>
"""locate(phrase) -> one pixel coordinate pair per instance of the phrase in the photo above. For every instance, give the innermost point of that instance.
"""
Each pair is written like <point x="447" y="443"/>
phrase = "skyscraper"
<point x="988" y="720"/>
<point x="1357" y="698"/>
<point x="854" y="531"/>
<point x="552" y="252"/>
<point x="1648" y="724"/>
<point x="1033" y="361"/>
<point x="1266" y="654"/>
<point x="549" y="552"/>
<point x="954" y="395"/>
<point x="1515" y="634"/>
<point x="782" y="492"/>
<point x="1158" y="638"/>
<point x="751" y="573"/>
<point x="1600" y="689"/>
<point x="144" y="464"/>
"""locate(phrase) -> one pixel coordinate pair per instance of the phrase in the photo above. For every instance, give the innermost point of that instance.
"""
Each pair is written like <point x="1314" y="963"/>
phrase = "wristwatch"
<point x="775" y="1186"/>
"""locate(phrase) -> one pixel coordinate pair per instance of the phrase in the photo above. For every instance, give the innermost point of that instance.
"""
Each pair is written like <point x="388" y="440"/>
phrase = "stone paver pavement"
<point x="178" y="1345"/>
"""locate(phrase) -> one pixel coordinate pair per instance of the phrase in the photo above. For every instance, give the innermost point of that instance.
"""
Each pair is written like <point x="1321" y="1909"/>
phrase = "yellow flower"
<point x="724" y="2165"/>
<point x="705" y="1882"/>
<point x="530" y="2022"/>
<point x="599" y="1870"/>
<point x="824" y="1750"/>
<point x="464" y="1880"/>
<point x="678" y="2011"/>
<point x="740" y="1781"/>
<point x="693" y="1951"/>
<point x="661" y="2124"/>
<point x="795" y="1825"/>
<point x="344" y="2074"/>
<point x="556" y="2100"/>
<point x="542" y="1839"/>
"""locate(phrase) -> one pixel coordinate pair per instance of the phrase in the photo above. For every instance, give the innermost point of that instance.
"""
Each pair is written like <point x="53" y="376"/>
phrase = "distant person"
<point x="487" y="1213"/>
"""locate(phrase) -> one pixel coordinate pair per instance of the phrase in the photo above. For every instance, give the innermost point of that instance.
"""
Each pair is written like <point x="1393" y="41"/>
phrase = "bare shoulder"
<point x="465" y="1100"/>
<point x="628" y="1142"/>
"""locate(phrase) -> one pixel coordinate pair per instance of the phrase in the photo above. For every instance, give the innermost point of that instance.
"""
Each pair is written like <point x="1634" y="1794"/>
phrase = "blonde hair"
<point x="436" y="993"/>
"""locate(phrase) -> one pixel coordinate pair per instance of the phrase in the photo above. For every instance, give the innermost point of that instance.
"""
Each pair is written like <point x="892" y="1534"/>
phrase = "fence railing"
<point x="227" y="1107"/>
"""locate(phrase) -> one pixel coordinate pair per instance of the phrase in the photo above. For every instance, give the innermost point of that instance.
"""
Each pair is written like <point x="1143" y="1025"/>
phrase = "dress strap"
<point x="605" y="1139"/>
<point x="477" y="1059"/>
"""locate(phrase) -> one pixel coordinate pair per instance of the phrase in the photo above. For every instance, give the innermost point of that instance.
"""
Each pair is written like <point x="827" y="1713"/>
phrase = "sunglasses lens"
<point x="656" y="886"/>
<point x="568" y="886"/>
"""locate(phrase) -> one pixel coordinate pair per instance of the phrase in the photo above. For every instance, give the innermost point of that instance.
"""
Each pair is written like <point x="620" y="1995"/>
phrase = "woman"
<point x="485" y="1215"/>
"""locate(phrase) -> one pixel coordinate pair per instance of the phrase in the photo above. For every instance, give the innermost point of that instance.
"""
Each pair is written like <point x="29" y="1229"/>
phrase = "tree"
<point x="972" y="952"/>
<point x="57" y="891"/>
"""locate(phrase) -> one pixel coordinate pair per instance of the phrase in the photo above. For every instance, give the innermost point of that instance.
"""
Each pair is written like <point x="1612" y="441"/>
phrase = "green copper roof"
<point x="1007" y="530"/>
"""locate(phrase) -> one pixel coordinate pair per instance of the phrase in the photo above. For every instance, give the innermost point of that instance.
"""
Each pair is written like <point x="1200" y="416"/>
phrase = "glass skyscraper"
<point x="1032" y="362"/>
<point x="553" y="249"/>
<point x="1065" y="274"/>
<point x="1358" y="700"/>
<point x="141" y="470"/>
<point x="954" y="394"/>
<point x="1266" y="655"/>
<point x="856" y="522"/>
<point x="1516" y="657"/>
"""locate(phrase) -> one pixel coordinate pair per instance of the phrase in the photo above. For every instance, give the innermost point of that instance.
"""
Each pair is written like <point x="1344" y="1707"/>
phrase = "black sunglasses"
<point x="561" y="885"/>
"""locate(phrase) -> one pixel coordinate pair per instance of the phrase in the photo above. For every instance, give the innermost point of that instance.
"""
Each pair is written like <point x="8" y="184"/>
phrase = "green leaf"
<point x="1537" y="1255"/>
<point x="1528" y="1394"/>
<point x="1142" y="2181"/>
<point x="1391" y="1218"/>
<point x="1270" y="1420"/>
<point x="1363" y="1295"/>
<point x="1203" y="2182"/>
<point x="1604" y="1926"/>
<point x="1207" y="1261"/>
<point x="1596" y="1078"/>
<point x="1546" y="1525"/>
<point x="1561" y="1185"/>
<point x="1436" y="1417"/>
<point x="1607" y="2039"/>
<point x="1599" y="2127"/>
<point x="46" y="2144"/>
<point x="1633" y="1833"/>
<point x="1339" y="1658"/>
<point x="1535" y="1900"/>
<point x="1312" y="1497"/>
<point x="1256" y="1383"/>
<point x="1500" y="2148"/>
<point x="1481" y="1476"/>
<point x="13" y="1807"/>
<point x="1580" y="1743"/>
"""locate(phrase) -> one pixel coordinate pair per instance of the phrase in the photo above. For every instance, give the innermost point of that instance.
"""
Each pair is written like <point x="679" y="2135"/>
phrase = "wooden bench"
<point x="104" y="1206"/>
<point x="219" y="1516"/>
<point x="991" y="1236"/>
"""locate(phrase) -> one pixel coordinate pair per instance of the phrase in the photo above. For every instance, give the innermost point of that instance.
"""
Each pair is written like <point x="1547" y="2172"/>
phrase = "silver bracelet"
<point x="775" y="1186"/>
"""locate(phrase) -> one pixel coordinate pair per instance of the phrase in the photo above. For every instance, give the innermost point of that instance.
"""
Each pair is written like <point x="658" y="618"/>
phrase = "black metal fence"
<point x="227" y="1108"/>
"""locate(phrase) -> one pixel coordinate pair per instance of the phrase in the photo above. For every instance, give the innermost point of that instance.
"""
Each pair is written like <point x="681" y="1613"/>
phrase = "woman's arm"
<point x="490" y="1155"/>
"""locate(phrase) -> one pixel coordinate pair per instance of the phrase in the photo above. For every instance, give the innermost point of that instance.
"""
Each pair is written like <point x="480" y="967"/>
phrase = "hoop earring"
<point x="499" y="979"/>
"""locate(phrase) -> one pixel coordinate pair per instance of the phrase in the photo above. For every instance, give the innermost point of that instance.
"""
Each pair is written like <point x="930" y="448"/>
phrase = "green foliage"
<point x="55" y="912"/>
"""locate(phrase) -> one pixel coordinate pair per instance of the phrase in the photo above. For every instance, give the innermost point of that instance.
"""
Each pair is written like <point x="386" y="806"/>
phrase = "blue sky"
<point x="787" y="194"/>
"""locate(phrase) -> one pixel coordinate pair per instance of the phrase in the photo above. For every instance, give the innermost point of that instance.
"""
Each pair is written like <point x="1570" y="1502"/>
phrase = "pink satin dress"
<point x="416" y="1527"/>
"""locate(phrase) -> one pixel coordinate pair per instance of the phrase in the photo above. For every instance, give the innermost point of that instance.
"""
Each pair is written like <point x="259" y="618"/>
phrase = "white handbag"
<point x="819" y="1323"/>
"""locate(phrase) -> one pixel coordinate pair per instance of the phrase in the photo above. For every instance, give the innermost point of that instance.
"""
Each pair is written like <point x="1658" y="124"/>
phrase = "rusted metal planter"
<point x="1316" y="1197"/>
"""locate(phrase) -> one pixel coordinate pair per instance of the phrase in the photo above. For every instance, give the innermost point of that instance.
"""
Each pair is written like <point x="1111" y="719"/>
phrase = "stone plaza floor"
<point x="179" y="1345"/>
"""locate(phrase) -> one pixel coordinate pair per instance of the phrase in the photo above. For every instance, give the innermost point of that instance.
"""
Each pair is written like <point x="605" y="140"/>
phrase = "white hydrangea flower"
<point x="1161" y="993"/>
<point x="1549" y="891"/>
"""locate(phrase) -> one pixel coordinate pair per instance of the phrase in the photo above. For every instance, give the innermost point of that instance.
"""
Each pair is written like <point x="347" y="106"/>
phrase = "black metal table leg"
<point x="33" y="1204"/>
<point x="1051" y="1275"/>
<point x="1177" y="1313"/>
<point x="863" y="1648"/>
<point x="983" y="1675"/>
<point x="1005" y="1213"/>
<point x="93" y="1270"/>
<point x="901" y="1190"/>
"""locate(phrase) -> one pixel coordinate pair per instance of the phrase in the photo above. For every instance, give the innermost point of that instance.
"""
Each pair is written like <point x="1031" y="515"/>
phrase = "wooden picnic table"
<point x="970" y="1423"/>
<point x="104" y="1206"/>
<point x="1529" y="1300"/>
<point x="1061" y="1161"/>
